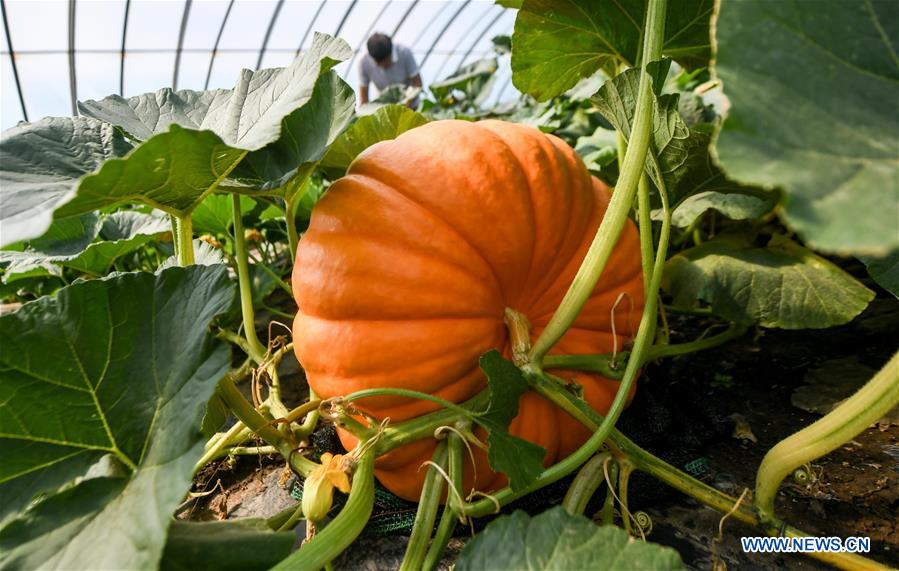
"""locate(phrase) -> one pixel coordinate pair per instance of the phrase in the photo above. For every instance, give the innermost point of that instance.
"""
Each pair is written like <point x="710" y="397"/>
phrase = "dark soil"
<point x="854" y="490"/>
<point x="718" y="411"/>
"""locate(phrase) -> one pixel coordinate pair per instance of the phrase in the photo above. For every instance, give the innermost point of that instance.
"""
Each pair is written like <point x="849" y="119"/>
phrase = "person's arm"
<point x="413" y="74"/>
<point x="364" y="80"/>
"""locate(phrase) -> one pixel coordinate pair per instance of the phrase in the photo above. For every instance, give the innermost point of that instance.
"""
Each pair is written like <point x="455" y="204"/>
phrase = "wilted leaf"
<point x="120" y="368"/>
<point x="556" y="539"/>
<point x="815" y="111"/>
<point x="781" y="285"/>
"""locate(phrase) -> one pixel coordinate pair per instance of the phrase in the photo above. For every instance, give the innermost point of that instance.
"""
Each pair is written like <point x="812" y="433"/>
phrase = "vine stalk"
<point x="416" y="550"/>
<point x="184" y="240"/>
<point x="588" y="479"/>
<point x="622" y="199"/>
<point x="256" y="350"/>
<point x="344" y="528"/>
<point x="448" y="519"/>
<point x="245" y="412"/>
<point x="852" y="416"/>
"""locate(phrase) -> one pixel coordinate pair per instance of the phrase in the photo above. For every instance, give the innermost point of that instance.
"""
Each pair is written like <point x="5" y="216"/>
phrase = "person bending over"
<point x="386" y="64"/>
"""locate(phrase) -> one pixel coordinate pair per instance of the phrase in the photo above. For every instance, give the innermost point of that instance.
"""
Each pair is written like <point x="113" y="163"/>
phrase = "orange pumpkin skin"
<point x="410" y="260"/>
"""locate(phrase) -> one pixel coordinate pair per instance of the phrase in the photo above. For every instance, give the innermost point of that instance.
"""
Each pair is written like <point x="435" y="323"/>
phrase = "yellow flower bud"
<point x="318" y="489"/>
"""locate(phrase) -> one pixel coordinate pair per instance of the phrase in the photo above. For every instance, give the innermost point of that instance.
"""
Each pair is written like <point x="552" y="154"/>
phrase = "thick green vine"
<point x="622" y="199"/>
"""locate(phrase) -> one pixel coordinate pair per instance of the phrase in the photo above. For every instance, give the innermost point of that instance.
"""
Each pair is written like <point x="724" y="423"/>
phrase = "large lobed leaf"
<point x="279" y="122"/>
<point x="780" y="285"/>
<point x="103" y="388"/>
<point x="815" y="111"/>
<point x="679" y="157"/>
<point x="556" y="43"/>
<point x="248" y="117"/>
<point x="40" y="166"/>
<point x="556" y="539"/>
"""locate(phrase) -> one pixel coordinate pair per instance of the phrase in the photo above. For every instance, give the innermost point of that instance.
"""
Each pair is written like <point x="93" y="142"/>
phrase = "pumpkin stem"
<point x="520" y="335"/>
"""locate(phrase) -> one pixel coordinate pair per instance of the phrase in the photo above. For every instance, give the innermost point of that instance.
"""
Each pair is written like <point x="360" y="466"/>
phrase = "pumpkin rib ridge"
<point x="346" y="190"/>
<point x="443" y="221"/>
<point x="627" y="288"/>
<point x="395" y="319"/>
<point x="568" y="250"/>
<point x="602" y="286"/>
<point x="562" y="166"/>
<point x="542" y="286"/>
<point x="533" y="218"/>
<point x="423" y="252"/>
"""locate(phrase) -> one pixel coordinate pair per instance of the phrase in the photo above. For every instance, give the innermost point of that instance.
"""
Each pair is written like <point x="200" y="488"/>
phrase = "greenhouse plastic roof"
<point x="57" y="52"/>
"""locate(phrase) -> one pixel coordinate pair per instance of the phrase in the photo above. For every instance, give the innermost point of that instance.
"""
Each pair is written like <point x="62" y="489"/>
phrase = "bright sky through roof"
<point x="39" y="35"/>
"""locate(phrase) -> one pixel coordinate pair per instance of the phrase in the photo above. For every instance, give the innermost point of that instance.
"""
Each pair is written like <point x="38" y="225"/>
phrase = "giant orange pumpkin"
<point x="410" y="260"/>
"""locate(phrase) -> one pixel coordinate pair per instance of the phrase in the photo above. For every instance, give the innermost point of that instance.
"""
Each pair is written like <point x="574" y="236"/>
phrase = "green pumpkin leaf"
<point x="388" y="122"/>
<point x="119" y="233"/>
<point x="67" y="236"/>
<point x="172" y="171"/>
<point x="683" y="163"/>
<point x="884" y="271"/>
<point x="217" y="413"/>
<point x="815" y="111"/>
<point x="188" y="142"/>
<point x="521" y="461"/>
<point x="733" y="205"/>
<point x="286" y="117"/>
<point x="474" y="81"/>
<point x="556" y="539"/>
<point x="103" y="388"/>
<point x="238" y="545"/>
<point x="781" y="285"/>
<point x="281" y="167"/>
<point x="41" y="165"/>
<point x="555" y="43"/>
<point x="215" y="214"/>
<point x="250" y="116"/>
